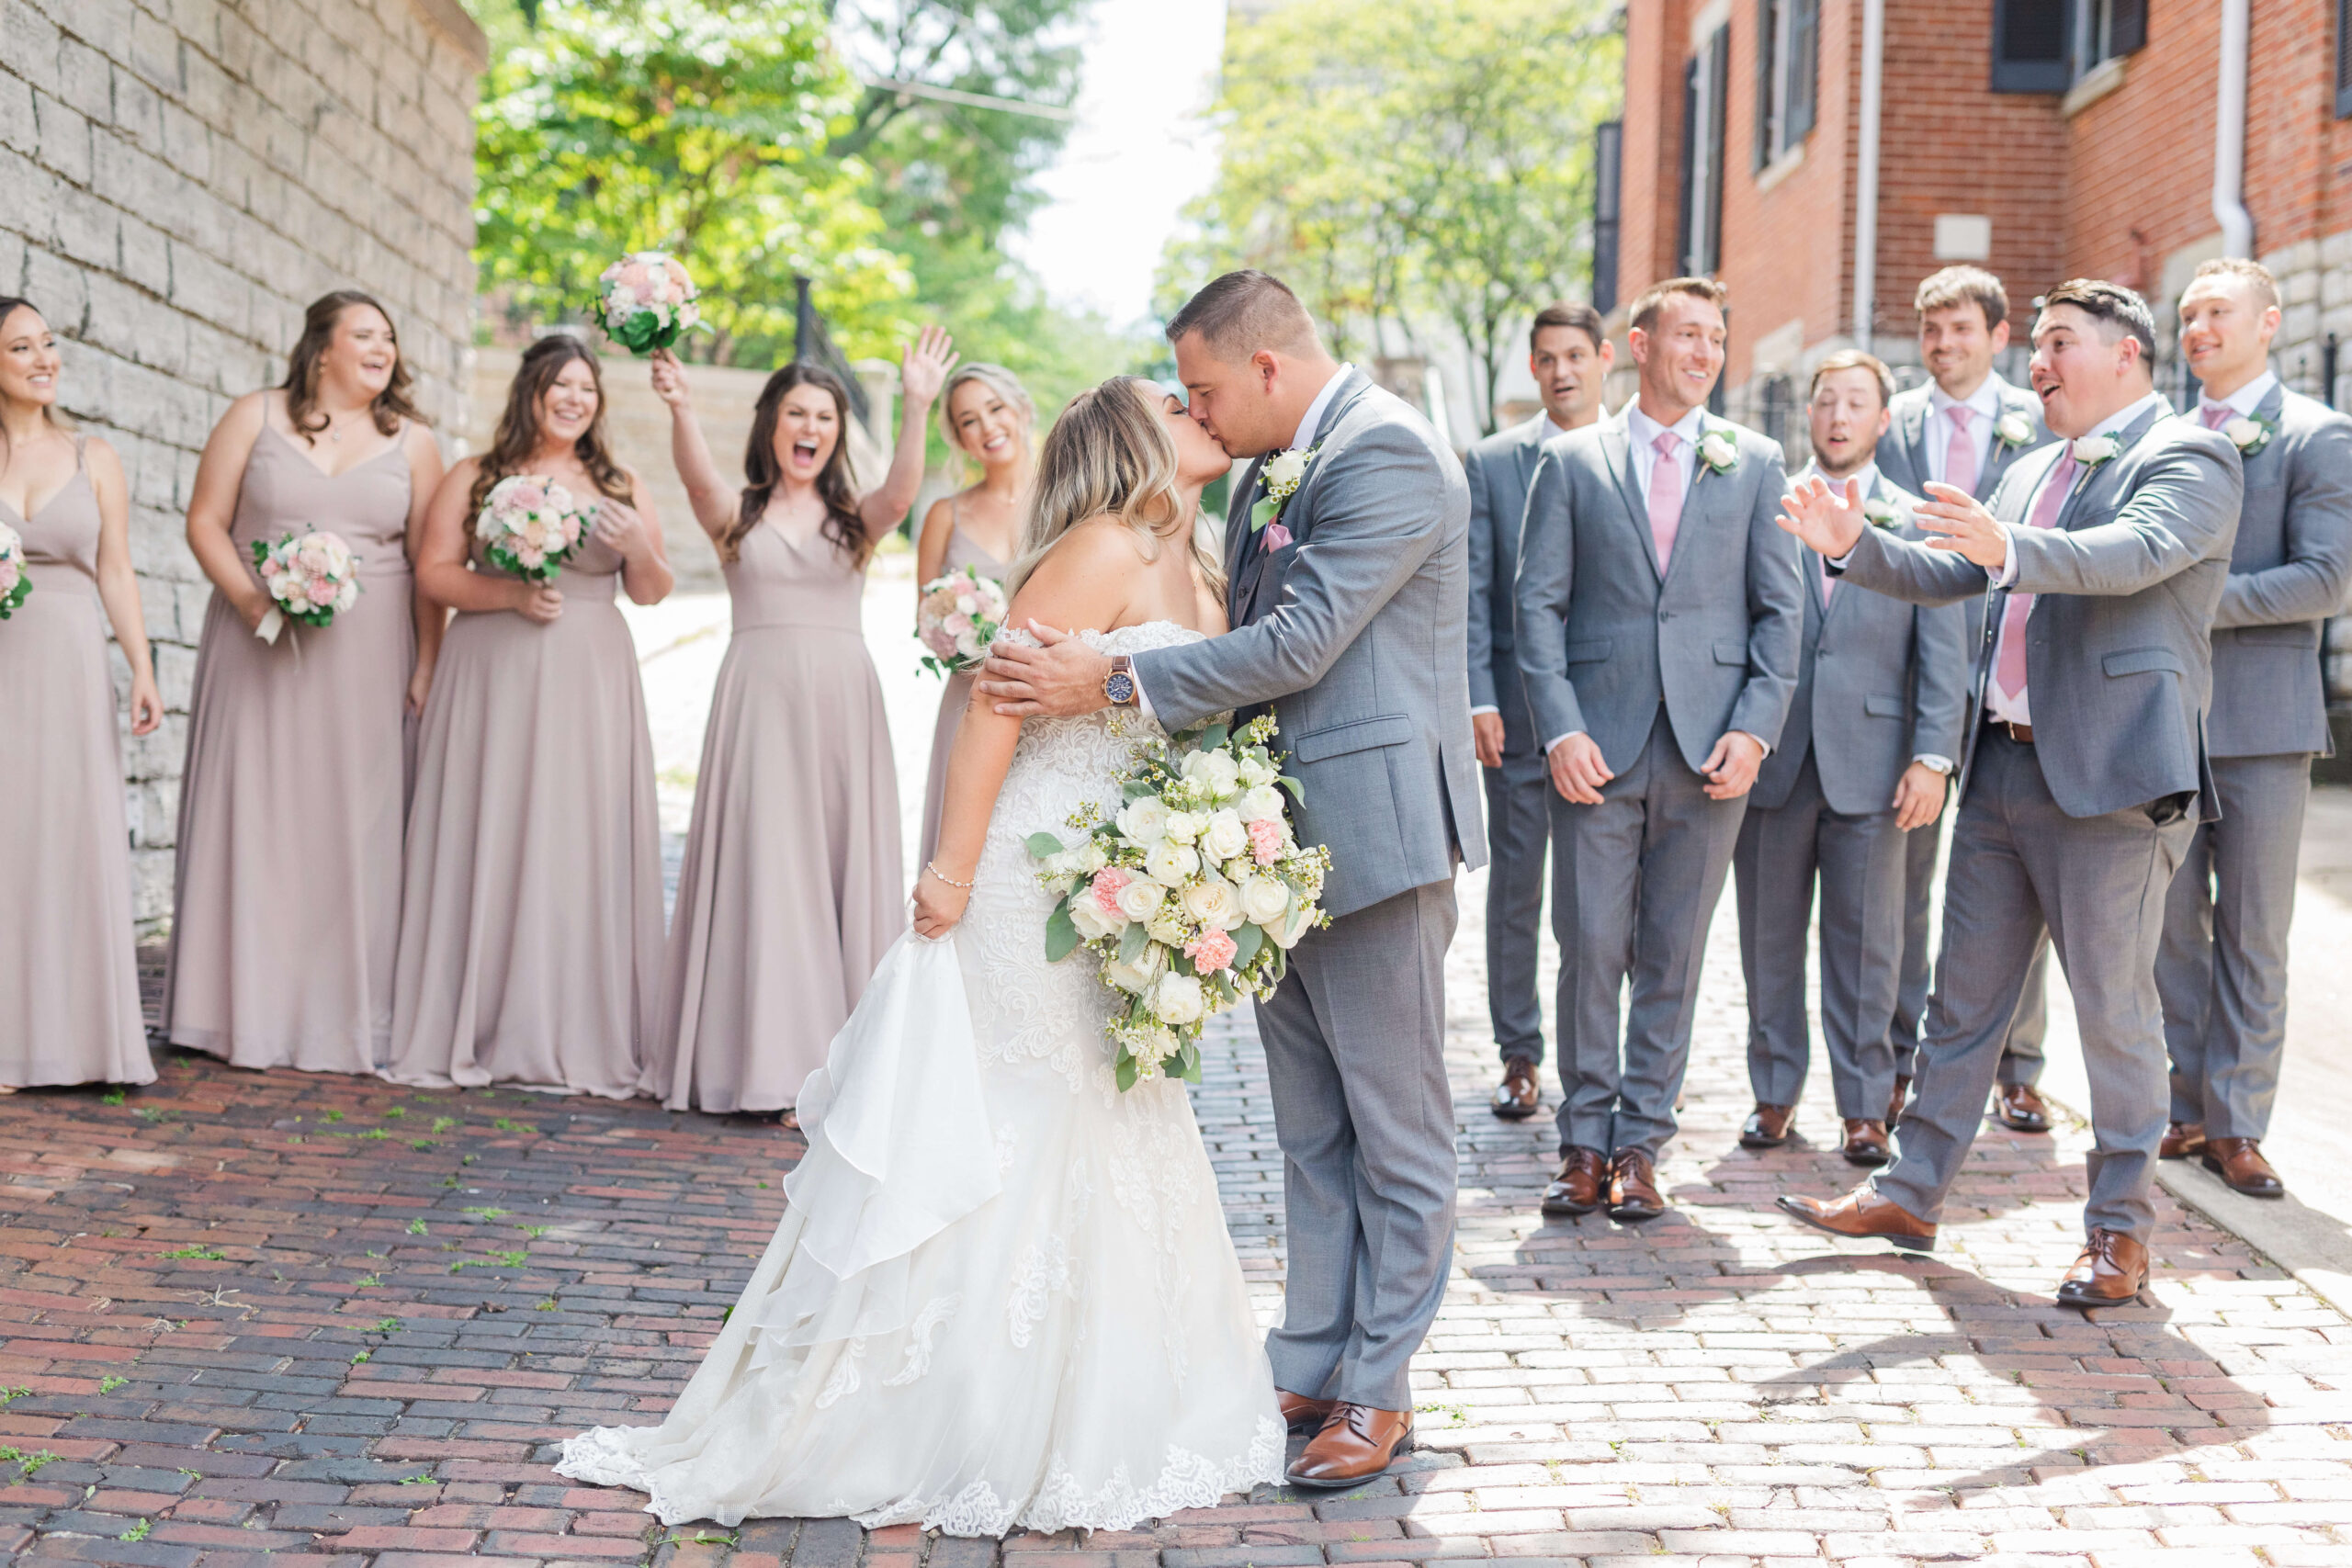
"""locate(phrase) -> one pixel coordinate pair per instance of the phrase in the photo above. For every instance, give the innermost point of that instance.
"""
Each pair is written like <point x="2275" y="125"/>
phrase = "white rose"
<point x="1263" y="899"/>
<point x="1286" y="935"/>
<point x="1225" y="837"/>
<point x="1143" y="820"/>
<point x="1138" y="898"/>
<point x="1255" y="772"/>
<point x="2014" y="429"/>
<point x="1184" y="827"/>
<point x="1169" y="862"/>
<point x="1091" y="920"/>
<point x="1136" y="978"/>
<point x="1152" y="1046"/>
<point x="2243" y="431"/>
<point x="1213" y="902"/>
<point x="1718" y="448"/>
<point x="1215" y="771"/>
<point x="1237" y="870"/>
<point x="1284" y="468"/>
<point x="1261" y="802"/>
<point x="1178" y="1000"/>
<point x="2092" y="450"/>
<point x="1166" y="924"/>
<point x="1092" y="857"/>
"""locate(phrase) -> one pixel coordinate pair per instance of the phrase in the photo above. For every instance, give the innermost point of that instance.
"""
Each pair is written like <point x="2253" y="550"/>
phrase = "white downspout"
<point x="2229" y="135"/>
<point x="1866" y="175"/>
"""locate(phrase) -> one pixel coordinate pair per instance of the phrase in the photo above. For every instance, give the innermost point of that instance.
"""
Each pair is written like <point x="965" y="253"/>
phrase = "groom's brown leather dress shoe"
<point x="1862" y="1213"/>
<point x="1633" y="1188"/>
<point x="1896" y="1101"/>
<point x="2111" y="1270"/>
<point x="2239" y="1162"/>
<point x="1516" y="1096"/>
<point x="2182" y="1139"/>
<point x="1301" y="1414"/>
<point x="1865" y="1143"/>
<point x="2022" y="1109"/>
<point x="1767" y="1126"/>
<point x="1356" y="1443"/>
<point x="1579" y="1189"/>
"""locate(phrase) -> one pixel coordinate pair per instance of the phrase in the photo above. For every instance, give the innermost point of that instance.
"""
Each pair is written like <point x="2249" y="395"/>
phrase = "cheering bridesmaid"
<point x="530" y="942"/>
<point x="69" y="984"/>
<point x="988" y="416"/>
<point x="290" y="807"/>
<point x="792" y="887"/>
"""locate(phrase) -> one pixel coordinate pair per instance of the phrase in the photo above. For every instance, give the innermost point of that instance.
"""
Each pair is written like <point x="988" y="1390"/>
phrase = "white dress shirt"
<point x="2243" y="401"/>
<point x="1983" y="404"/>
<point x="1870" y="478"/>
<point x="1551" y="427"/>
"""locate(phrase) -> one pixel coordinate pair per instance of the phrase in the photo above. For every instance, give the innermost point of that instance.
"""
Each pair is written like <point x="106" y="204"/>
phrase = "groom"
<point x="1350" y="608"/>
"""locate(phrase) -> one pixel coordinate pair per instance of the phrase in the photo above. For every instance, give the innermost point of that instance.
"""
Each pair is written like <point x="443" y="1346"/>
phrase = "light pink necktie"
<point x="2216" y="415"/>
<point x="1959" y="452"/>
<point x="1665" y="496"/>
<point x="2009" y="670"/>
<point x="1828" y="581"/>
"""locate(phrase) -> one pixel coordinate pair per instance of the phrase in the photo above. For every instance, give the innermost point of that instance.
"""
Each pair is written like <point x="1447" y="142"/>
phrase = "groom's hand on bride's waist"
<point x="1061" y="678"/>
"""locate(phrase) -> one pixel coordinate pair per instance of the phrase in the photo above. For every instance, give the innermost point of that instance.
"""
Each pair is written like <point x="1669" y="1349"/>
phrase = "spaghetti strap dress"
<point x="961" y="552"/>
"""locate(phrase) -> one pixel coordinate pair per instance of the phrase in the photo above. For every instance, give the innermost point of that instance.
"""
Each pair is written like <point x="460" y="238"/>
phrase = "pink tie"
<point x="2216" y="415"/>
<point x="1960" y="453"/>
<point x="1665" y="496"/>
<point x="1827" y="582"/>
<point x="2009" y="670"/>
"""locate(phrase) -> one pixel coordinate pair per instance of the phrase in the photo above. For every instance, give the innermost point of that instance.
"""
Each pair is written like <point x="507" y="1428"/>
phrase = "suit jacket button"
<point x="1663" y="616"/>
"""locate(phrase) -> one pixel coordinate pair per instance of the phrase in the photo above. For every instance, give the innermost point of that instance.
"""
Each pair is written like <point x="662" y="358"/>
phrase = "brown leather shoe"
<point x="2110" y="1271"/>
<point x="1865" y="1143"/>
<point x="1516" y="1096"/>
<point x="1356" y="1443"/>
<point x="1579" y="1189"/>
<point x="1767" y="1126"/>
<point x="1863" y="1213"/>
<point x="1633" y="1188"/>
<point x="2023" y="1110"/>
<point x="1902" y="1096"/>
<point x="1301" y="1414"/>
<point x="2239" y="1162"/>
<point x="2181" y="1140"/>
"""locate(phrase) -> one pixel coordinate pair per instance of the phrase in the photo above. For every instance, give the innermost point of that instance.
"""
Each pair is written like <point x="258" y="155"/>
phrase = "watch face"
<point x="1120" y="687"/>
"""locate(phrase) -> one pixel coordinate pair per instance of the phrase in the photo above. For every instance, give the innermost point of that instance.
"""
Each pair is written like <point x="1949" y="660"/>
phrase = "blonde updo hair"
<point x="1108" y="455"/>
<point x="1006" y="386"/>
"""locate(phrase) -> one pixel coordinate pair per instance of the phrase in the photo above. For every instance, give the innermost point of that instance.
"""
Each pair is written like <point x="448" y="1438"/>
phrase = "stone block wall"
<point x="177" y="179"/>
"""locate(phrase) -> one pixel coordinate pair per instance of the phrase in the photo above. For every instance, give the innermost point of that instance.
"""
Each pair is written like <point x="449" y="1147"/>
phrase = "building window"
<point x="1788" y="71"/>
<point x="2343" y="60"/>
<point x="1704" y="91"/>
<point x="2047" y="46"/>
<point x="1608" y="140"/>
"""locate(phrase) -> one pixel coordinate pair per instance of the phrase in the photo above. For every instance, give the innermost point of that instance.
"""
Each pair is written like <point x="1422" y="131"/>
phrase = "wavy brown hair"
<point x="1108" y="455"/>
<point x="762" y="473"/>
<point x="518" y="426"/>
<point x="302" y="384"/>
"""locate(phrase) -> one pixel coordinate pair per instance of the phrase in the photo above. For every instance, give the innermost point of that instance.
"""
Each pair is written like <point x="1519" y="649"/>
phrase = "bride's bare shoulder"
<point x="1085" y="578"/>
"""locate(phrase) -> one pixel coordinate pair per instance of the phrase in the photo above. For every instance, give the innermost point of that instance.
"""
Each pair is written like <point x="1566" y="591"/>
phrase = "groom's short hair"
<point x="1244" y="311"/>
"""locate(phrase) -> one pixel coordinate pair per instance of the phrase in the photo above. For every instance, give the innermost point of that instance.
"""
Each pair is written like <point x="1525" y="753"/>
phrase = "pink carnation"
<point x="1266" y="841"/>
<point x="321" y="591"/>
<point x="527" y="497"/>
<point x="1106" y="885"/>
<point x="1211" y="951"/>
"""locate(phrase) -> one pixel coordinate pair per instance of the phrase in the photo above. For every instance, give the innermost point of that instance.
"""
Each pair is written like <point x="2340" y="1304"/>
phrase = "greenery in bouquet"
<point x="16" y="583"/>
<point x="645" y="301"/>
<point x="960" y="614"/>
<point x="310" y="577"/>
<point x="530" y="525"/>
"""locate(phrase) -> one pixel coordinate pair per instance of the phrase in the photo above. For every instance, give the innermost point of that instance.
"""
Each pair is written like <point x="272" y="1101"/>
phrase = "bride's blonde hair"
<point x="1110" y="455"/>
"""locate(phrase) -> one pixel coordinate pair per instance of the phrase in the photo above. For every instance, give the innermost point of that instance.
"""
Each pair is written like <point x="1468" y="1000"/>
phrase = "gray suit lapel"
<point x="1236" y="536"/>
<point x="1617" y="450"/>
<point x="1530" y="448"/>
<point x="2127" y="438"/>
<point x="1914" y="438"/>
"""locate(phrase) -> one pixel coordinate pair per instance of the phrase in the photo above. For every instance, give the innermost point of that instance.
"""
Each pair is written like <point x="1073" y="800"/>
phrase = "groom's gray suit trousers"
<point x="1357" y="1074"/>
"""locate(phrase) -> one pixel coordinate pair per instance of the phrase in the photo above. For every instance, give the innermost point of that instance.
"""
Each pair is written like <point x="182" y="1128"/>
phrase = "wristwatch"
<point x="1119" y="685"/>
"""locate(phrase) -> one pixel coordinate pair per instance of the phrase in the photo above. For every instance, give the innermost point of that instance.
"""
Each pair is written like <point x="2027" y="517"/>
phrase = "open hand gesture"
<point x="1962" y="524"/>
<point x="620" y="526"/>
<point x="923" y="370"/>
<point x="1828" y="521"/>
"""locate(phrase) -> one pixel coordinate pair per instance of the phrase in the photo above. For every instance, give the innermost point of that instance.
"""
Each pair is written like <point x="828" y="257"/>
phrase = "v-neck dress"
<point x="69" y="981"/>
<point x="961" y="552"/>
<point x="793" y="887"/>
<point x="288" y="903"/>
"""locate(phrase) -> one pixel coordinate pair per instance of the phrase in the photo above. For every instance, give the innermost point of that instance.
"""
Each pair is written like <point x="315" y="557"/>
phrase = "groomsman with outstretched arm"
<point x="1872" y="736"/>
<point x="1964" y="429"/>
<point x="2223" y="968"/>
<point x="2085" y="781"/>
<point x="1569" y="355"/>
<point x="1658" y="618"/>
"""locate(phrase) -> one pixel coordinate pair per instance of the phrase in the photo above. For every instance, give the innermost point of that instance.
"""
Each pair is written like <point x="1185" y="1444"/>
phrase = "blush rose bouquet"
<point x="645" y="301"/>
<point x="1189" y="896"/>
<point x="309" y="576"/>
<point x="16" y="583"/>
<point x="530" y="526"/>
<point x="959" y="615"/>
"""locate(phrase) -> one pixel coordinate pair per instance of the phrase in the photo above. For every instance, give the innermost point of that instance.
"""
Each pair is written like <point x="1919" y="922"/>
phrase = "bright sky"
<point x="1138" y="153"/>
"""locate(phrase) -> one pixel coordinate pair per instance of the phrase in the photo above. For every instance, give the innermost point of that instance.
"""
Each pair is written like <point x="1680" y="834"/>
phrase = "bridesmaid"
<point x="792" y="887"/>
<point x="69" y="981"/>
<point x="986" y="415"/>
<point x="530" y="946"/>
<point x="289" y="890"/>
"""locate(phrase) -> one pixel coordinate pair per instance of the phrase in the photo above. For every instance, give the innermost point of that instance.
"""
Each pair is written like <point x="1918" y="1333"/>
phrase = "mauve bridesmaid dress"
<point x="530" y="947"/>
<point x="288" y="897"/>
<point x="793" y="887"/>
<point x="961" y="552"/>
<point x="69" y="981"/>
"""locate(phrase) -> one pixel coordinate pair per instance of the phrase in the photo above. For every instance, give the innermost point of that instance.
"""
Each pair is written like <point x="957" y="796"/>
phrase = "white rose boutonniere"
<point x="1279" y="479"/>
<point x="2249" y="434"/>
<point x="1718" y="452"/>
<point x="2091" y="451"/>
<point x="1881" y="513"/>
<point x="2013" y="429"/>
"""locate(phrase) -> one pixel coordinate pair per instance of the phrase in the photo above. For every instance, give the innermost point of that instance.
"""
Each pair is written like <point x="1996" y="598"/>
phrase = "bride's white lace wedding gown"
<point x="1003" y="1295"/>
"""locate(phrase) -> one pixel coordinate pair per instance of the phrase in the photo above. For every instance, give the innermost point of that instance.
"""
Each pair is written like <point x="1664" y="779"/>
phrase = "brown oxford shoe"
<point x="1901" y="1097"/>
<point x="2239" y="1162"/>
<point x="2023" y="1110"/>
<point x="2181" y="1140"/>
<point x="1301" y="1414"/>
<point x="1865" y="1143"/>
<point x="2110" y="1271"/>
<point x="1355" y="1444"/>
<point x="1633" y="1188"/>
<point x="1516" y="1096"/>
<point x="1863" y="1214"/>
<point x="1577" y="1190"/>
<point x="1767" y="1126"/>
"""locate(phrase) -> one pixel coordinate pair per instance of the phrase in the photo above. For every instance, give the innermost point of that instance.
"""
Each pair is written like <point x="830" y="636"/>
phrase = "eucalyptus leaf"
<point x="1298" y="790"/>
<point x="1061" y="937"/>
<point x="1131" y="941"/>
<point x="1129" y="1069"/>
<point x="1213" y="736"/>
<point x="1246" y="940"/>
<point x="1044" y="844"/>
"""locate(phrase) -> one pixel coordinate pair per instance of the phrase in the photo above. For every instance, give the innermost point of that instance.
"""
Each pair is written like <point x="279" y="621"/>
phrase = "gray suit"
<point x="1519" y="824"/>
<point x="2075" y="835"/>
<point x="2222" y="969"/>
<point x="1880" y="682"/>
<point x="1904" y="459"/>
<point x="1656" y="670"/>
<point x="1354" y="634"/>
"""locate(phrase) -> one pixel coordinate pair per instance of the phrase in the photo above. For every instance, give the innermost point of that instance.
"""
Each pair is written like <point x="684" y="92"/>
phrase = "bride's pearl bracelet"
<point x="933" y="866"/>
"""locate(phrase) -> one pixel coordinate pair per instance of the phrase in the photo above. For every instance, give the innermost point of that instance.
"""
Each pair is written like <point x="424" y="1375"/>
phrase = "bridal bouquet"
<point x="647" y="301"/>
<point x="530" y="526"/>
<point x="959" y="617"/>
<point x="309" y="577"/>
<point x="14" y="580"/>
<point x="1190" y="896"/>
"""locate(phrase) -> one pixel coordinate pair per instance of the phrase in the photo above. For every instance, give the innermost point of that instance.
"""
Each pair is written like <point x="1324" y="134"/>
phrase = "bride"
<point x="1003" y="1296"/>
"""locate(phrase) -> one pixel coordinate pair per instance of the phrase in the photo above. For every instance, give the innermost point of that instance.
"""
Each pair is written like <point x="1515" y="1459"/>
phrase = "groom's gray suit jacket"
<point x="1356" y="635"/>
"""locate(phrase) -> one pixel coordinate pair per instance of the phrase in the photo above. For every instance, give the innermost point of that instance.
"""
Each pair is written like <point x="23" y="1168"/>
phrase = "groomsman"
<point x="1569" y="355"/>
<point x="2082" y="786"/>
<point x="2223" y="968"/>
<point x="1658" y="621"/>
<point x="1964" y="429"/>
<point x="1860" y="771"/>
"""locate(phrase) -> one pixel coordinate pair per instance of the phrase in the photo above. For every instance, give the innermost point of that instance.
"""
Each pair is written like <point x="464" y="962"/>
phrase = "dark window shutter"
<point x="2127" y="27"/>
<point x="2343" y="60"/>
<point x="1719" y="99"/>
<point x="1608" y="143"/>
<point x="1693" y="79"/>
<point x="1760" y="148"/>
<point x="1805" y="68"/>
<point x="2029" y="46"/>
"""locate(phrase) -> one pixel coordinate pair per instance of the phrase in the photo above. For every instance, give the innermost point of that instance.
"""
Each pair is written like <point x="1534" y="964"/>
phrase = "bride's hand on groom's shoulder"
<point x="937" y="905"/>
<point x="1060" y="678"/>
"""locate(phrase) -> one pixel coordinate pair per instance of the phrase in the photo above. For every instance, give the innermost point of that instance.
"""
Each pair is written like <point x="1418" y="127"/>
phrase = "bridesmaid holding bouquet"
<point x="793" y="887"/>
<point x="530" y="945"/>
<point x="987" y="415"/>
<point x="289" y="890"/>
<point x="69" y="983"/>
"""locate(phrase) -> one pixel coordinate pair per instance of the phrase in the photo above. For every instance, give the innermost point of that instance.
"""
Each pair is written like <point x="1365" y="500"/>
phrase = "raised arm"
<point x="708" y="491"/>
<point x="1546" y="578"/>
<point x="2184" y="510"/>
<point x="922" y="372"/>
<point x="2310" y="583"/>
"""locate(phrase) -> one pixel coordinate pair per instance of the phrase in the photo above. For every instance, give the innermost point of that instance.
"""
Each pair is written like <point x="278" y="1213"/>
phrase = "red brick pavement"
<point x="277" y="1317"/>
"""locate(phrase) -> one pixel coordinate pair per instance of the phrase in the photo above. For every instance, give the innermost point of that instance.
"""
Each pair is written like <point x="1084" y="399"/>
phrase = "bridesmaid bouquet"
<point x="960" y="614"/>
<point x="1190" y="896"/>
<point x="645" y="301"/>
<point x="310" y="577"/>
<point x="530" y="526"/>
<point x="14" y="580"/>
